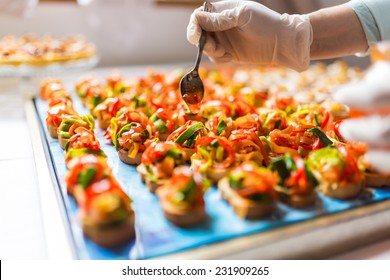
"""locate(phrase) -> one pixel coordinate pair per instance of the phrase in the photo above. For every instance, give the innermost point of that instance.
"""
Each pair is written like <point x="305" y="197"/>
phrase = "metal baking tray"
<point x="331" y="227"/>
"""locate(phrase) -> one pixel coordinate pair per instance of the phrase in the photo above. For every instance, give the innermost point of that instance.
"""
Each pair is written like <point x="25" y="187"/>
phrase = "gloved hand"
<point x="248" y="32"/>
<point x="372" y="96"/>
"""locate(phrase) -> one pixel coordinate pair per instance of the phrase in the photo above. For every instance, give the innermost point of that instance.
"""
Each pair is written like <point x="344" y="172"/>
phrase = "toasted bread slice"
<point x="244" y="208"/>
<point x="377" y="180"/>
<point x="337" y="191"/>
<point x="184" y="217"/>
<point x="124" y="156"/>
<point x="110" y="236"/>
<point x="295" y="200"/>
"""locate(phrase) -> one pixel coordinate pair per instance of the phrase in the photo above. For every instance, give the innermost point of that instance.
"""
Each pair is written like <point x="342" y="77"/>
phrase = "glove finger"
<point x="371" y="94"/>
<point x="217" y="7"/>
<point x="223" y="59"/>
<point x="193" y="29"/>
<point x="215" y="22"/>
<point x="379" y="160"/>
<point x="364" y="96"/>
<point x="375" y="130"/>
<point x="212" y="48"/>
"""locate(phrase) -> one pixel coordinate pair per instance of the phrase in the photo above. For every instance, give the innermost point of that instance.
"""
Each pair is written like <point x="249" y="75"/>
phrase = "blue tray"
<point x="155" y="236"/>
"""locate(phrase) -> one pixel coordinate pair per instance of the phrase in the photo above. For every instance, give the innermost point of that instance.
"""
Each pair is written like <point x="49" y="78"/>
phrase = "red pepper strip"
<point x="299" y="163"/>
<point x="104" y="186"/>
<point x="301" y="129"/>
<point x="294" y="178"/>
<point x="293" y="146"/>
<point x="349" y="157"/>
<point x="326" y="120"/>
<point x="158" y="150"/>
<point x="115" y="107"/>
<point x="298" y="177"/>
<point x="264" y="153"/>
<point x="153" y="96"/>
<point x="247" y="192"/>
<point x="336" y="127"/>
<point x="206" y="140"/>
<point x="243" y="108"/>
<point x="203" y="141"/>
<point x="306" y="147"/>
<point x="239" y="138"/>
<point x="317" y="144"/>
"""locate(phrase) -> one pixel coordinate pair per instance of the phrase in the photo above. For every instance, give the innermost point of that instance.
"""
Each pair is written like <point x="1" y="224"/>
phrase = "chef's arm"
<point x="349" y="29"/>
<point x="337" y="32"/>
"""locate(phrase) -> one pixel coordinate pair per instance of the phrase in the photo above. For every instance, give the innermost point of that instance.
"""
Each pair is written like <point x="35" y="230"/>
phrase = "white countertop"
<point x="21" y="224"/>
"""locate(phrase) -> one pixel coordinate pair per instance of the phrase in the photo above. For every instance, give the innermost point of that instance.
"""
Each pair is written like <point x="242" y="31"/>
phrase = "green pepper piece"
<point x="290" y="163"/>
<point x="219" y="154"/>
<point x="323" y="138"/>
<point x="154" y="117"/>
<point x="86" y="176"/>
<point x="214" y="143"/>
<point x="96" y="100"/>
<point x="206" y="155"/>
<point x="160" y="125"/>
<point x="66" y="147"/>
<point x="187" y="194"/>
<point x="279" y="165"/>
<point x="235" y="183"/>
<point x="316" y="119"/>
<point x="127" y="127"/>
<point x="66" y="124"/>
<point x="89" y="120"/>
<point x="76" y="152"/>
<point x="114" y="128"/>
<point x="221" y="127"/>
<point x="188" y="133"/>
<point x="174" y="153"/>
<point x="310" y="177"/>
<point x="64" y="134"/>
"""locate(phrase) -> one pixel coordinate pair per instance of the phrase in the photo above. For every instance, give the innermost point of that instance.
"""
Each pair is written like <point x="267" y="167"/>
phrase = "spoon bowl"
<point x="191" y="88"/>
<point x="191" y="85"/>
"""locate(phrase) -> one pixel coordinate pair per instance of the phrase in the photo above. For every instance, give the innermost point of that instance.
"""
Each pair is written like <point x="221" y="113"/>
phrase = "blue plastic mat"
<point x="155" y="236"/>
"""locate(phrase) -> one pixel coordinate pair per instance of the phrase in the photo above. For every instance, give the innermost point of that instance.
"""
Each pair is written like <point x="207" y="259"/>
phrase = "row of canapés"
<point x="105" y="210"/>
<point x="256" y="147"/>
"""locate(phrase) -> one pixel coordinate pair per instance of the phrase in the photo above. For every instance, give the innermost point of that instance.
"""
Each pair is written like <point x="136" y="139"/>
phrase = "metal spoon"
<point x="191" y="85"/>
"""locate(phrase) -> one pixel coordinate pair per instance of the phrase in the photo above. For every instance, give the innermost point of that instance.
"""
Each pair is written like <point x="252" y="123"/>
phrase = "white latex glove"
<point x="371" y="95"/>
<point x="248" y="32"/>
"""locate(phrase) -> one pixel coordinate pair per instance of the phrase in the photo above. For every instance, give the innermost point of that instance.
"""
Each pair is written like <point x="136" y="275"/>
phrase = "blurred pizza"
<point x="37" y="51"/>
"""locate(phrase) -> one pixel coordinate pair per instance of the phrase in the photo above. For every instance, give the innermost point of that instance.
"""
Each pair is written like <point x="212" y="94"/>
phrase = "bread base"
<point x="225" y="190"/>
<point x="104" y="124"/>
<point x="142" y="172"/>
<point x="189" y="218"/>
<point x="153" y="186"/>
<point x="377" y="180"/>
<point x="296" y="201"/>
<point x="62" y="142"/>
<point x="213" y="174"/>
<point x="112" y="236"/>
<point x="244" y="208"/>
<point x="124" y="156"/>
<point x="216" y="174"/>
<point x="188" y="153"/>
<point x="341" y="192"/>
<point x="52" y="130"/>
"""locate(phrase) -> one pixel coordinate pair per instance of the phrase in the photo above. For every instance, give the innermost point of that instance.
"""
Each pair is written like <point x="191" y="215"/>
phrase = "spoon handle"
<point x="202" y="40"/>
